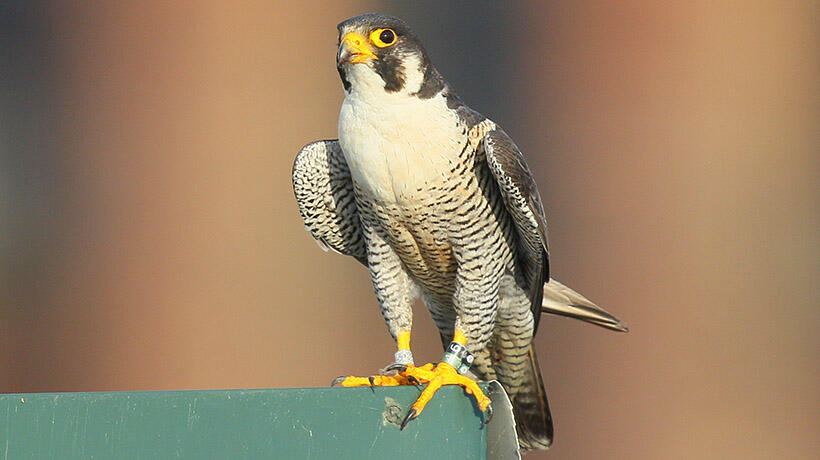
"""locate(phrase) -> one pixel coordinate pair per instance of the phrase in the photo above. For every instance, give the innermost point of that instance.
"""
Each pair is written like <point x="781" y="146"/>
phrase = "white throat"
<point x="396" y="144"/>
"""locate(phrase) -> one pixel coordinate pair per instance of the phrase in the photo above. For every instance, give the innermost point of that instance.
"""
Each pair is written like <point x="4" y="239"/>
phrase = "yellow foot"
<point x="436" y="376"/>
<point x="390" y="380"/>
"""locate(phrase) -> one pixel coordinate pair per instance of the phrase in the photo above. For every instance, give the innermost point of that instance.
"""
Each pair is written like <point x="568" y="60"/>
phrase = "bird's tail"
<point x="531" y="408"/>
<point x="561" y="300"/>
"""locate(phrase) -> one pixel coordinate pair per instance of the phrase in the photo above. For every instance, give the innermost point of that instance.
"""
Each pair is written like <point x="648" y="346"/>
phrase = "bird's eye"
<point x="383" y="37"/>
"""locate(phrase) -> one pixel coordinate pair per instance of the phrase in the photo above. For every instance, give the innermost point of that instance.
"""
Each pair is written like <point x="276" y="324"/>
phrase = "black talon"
<point x="396" y="367"/>
<point x="410" y="416"/>
<point x="372" y="383"/>
<point x="413" y="380"/>
<point x="338" y="380"/>
<point x="489" y="414"/>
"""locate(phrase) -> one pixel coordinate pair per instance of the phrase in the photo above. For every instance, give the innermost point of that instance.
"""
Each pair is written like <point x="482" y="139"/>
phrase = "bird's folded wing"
<point x="324" y="193"/>
<point x="523" y="203"/>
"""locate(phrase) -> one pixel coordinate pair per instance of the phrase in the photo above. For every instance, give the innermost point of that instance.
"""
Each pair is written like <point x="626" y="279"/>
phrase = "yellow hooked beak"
<point x="355" y="48"/>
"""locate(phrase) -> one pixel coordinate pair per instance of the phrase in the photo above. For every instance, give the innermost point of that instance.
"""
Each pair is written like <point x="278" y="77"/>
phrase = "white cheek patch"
<point x="413" y="74"/>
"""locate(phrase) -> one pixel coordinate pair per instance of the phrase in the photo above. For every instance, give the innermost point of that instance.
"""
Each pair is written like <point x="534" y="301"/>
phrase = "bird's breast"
<point x="401" y="147"/>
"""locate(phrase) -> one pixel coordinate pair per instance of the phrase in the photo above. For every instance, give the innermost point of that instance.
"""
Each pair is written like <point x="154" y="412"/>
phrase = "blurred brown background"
<point x="149" y="238"/>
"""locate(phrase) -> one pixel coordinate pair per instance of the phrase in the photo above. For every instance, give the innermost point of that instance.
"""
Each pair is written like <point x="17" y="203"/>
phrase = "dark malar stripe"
<point x="391" y="69"/>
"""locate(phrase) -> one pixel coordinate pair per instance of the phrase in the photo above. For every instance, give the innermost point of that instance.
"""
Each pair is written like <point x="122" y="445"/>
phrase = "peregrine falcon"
<point x="437" y="201"/>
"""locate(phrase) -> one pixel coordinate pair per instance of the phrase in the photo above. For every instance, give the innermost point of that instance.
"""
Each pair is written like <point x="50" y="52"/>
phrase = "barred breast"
<point x="460" y="214"/>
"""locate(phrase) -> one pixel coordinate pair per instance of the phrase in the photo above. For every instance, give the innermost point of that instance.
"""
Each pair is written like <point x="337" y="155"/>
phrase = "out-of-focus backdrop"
<point x="149" y="238"/>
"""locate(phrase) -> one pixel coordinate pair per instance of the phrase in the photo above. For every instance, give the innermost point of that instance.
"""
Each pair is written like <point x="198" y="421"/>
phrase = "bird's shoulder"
<point x="467" y="117"/>
<point x="475" y="125"/>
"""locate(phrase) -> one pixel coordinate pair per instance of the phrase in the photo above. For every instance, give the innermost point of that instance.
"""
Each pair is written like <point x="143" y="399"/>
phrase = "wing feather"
<point x="523" y="203"/>
<point x="327" y="203"/>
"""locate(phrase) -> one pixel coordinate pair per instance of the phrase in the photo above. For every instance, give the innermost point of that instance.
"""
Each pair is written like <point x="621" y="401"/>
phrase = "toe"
<point x="436" y="377"/>
<point x="410" y="416"/>
<point x="395" y="367"/>
<point x="370" y="381"/>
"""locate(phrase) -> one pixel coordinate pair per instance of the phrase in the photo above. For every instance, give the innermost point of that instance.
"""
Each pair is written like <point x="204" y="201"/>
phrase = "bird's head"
<point x="380" y="51"/>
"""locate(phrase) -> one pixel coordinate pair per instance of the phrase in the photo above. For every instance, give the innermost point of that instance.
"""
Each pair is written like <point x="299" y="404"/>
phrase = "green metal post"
<point x="318" y="423"/>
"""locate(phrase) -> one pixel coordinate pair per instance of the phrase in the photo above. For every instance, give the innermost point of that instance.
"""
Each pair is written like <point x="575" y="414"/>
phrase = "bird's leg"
<point x="395" y="292"/>
<point x="476" y="303"/>
<point x="403" y="354"/>
<point x="456" y="361"/>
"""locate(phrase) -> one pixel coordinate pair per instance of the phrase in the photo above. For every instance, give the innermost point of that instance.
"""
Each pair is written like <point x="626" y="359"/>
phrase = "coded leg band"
<point x="457" y="356"/>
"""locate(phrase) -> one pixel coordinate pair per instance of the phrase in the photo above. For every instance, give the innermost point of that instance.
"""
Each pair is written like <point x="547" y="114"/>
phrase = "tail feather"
<point x="533" y="420"/>
<point x="561" y="300"/>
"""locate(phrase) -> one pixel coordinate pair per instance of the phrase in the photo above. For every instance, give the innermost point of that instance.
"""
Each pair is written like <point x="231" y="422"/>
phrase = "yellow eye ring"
<point x="383" y="37"/>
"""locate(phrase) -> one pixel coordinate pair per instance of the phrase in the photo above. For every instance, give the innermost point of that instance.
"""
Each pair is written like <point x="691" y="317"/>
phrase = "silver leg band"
<point x="404" y="357"/>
